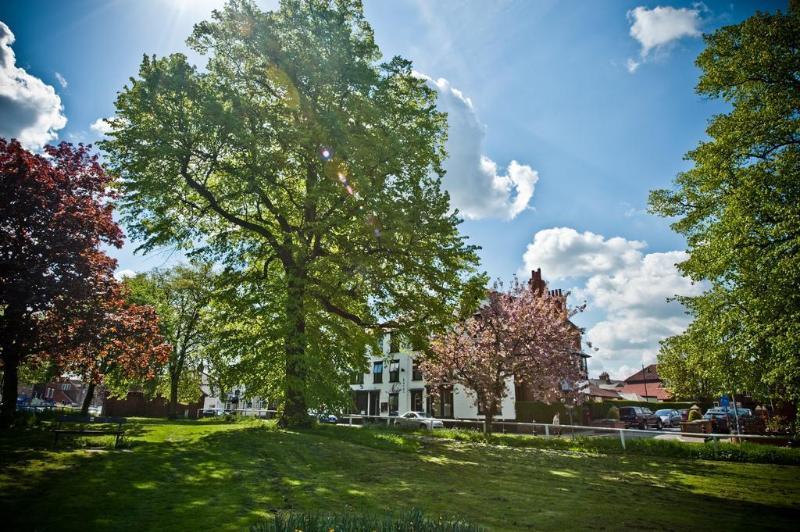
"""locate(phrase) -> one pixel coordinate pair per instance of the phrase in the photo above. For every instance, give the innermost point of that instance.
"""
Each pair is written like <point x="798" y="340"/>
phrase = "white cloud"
<point x="31" y="110"/>
<point x="655" y="29"/>
<point x="122" y="274"/>
<point x="61" y="80"/>
<point x="101" y="127"/>
<point x="563" y="252"/>
<point x="475" y="185"/>
<point x="628" y="289"/>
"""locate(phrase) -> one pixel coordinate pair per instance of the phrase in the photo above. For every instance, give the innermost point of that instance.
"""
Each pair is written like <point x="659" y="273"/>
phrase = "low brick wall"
<point x="137" y="405"/>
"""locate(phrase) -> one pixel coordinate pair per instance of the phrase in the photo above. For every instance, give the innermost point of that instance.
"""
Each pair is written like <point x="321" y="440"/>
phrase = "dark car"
<point x="639" y="417"/>
<point x="723" y="418"/>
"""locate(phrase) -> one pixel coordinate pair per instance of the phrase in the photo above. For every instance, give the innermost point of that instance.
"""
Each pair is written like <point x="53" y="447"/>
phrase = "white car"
<point x="418" y="420"/>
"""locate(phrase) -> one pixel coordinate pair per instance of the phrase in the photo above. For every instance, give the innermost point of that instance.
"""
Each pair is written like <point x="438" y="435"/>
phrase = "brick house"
<point x="647" y="384"/>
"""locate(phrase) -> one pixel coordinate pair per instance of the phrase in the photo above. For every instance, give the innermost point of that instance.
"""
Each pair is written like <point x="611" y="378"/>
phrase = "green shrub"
<point x="695" y="415"/>
<point x="727" y="452"/>
<point x="535" y="411"/>
<point x="352" y="522"/>
<point x="613" y="413"/>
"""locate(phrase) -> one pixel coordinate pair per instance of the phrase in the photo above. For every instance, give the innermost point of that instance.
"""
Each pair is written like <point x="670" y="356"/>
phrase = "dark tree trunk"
<point x="295" y="411"/>
<point x="10" y="382"/>
<point x="488" y="421"/>
<point x="87" y="400"/>
<point x="173" y="394"/>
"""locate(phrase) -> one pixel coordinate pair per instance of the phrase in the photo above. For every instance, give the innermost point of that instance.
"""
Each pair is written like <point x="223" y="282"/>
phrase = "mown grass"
<point x="217" y="476"/>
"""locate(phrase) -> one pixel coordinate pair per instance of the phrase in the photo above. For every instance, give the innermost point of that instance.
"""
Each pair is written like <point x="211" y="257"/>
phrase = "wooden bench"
<point x="82" y="429"/>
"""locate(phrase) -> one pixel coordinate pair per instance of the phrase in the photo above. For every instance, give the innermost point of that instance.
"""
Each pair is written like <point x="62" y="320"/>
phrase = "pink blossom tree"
<point x="524" y="333"/>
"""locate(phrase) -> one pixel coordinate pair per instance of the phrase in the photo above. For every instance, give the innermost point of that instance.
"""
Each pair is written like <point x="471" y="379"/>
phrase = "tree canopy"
<point x="55" y="214"/>
<point x="113" y="342"/>
<point x="312" y="172"/>
<point x="739" y="209"/>
<point x="522" y="336"/>
<point x="182" y="297"/>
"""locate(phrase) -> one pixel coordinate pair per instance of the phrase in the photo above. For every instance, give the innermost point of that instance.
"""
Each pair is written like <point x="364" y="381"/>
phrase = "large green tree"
<point x="182" y="298"/>
<point x="312" y="172"/>
<point x="739" y="208"/>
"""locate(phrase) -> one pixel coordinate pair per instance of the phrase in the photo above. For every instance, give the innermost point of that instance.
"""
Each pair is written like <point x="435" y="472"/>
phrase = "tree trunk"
<point x="10" y="382"/>
<point x="295" y="411"/>
<point x="488" y="420"/>
<point x="174" y="378"/>
<point x="87" y="400"/>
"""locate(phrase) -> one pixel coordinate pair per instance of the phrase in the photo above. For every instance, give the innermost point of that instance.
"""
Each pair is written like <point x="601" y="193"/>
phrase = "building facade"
<point x="394" y="384"/>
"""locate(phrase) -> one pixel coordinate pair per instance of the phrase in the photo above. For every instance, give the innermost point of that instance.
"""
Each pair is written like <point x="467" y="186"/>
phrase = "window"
<point x="357" y="378"/>
<point x="50" y="393"/>
<point x="394" y="371"/>
<point x="416" y="373"/>
<point x="377" y="372"/>
<point x="394" y="342"/>
<point x="394" y="403"/>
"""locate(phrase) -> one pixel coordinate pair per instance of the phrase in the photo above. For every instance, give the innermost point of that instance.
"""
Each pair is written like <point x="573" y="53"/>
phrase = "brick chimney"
<point x="536" y="282"/>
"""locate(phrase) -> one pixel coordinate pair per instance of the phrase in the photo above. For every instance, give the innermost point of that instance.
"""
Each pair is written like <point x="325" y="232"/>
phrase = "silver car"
<point x="418" y="420"/>
<point x="669" y="417"/>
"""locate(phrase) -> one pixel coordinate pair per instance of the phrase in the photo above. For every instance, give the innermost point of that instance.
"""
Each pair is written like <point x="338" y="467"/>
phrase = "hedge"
<point x="535" y="411"/>
<point x="724" y="452"/>
<point x="528" y="411"/>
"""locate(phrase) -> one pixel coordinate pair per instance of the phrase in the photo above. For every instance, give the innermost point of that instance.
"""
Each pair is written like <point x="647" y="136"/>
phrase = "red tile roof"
<point x="649" y="374"/>
<point x="654" y="389"/>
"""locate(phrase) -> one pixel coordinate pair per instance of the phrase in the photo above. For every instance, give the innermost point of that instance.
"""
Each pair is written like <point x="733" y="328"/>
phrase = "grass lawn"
<point x="209" y="475"/>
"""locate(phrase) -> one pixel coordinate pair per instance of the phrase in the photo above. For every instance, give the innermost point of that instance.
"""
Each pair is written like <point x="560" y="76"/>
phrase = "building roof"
<point x="653" y="389"/>
<point x="609" y="384"/>
<point x="648" y="374"/>
<point x="595" y="391"/>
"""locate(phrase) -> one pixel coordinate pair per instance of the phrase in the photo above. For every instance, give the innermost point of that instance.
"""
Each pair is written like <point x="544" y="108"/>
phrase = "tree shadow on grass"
<point x="229" y="478"/>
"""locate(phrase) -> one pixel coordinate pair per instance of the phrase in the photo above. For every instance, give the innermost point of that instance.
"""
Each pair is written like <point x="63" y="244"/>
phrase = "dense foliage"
<point x="739" y="209"/>
<point x="55" y="215"/>
<point x="114" y="342"/>
<point x="312" y="172"/>
<point x="182" y="297"/>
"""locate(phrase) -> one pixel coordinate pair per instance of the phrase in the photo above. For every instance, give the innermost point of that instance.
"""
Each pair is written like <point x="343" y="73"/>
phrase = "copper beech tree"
<point x="114" y="342"/>
<point x="524" y="333"/>
<point x="55" y="280"/>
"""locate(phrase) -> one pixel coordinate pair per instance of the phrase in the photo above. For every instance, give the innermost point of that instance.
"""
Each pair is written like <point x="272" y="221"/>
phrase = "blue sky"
<point x="563" y="116"/>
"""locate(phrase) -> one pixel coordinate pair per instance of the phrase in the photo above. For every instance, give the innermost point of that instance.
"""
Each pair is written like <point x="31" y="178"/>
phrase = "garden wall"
<point x="137" y="405"/>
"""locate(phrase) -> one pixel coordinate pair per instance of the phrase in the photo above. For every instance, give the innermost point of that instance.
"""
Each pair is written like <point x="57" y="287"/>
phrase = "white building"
<point x="394" y="384"/>
<point x="236" y="400"/>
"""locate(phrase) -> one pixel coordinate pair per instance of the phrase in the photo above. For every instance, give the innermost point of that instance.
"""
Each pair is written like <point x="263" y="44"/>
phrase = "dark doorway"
<point x="416" y="401"/>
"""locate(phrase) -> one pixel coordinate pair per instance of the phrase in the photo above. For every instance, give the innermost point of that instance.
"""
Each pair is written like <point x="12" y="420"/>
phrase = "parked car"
<point x="328" y="418"/>
<point x="684" y="414"/>
<point x="723" y="418"/>
<point x="670" y="417"/>
<point x="418" y="420"/>
<point x="211" y="412"/>
<point x="639" y="417"/>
